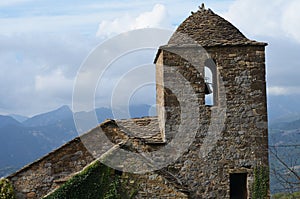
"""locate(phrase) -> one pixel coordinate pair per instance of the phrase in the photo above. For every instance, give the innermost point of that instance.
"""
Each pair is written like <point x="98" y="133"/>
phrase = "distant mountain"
<point x="286" y="125"/>
<point x="132" y="111"/>
<point x="103" y="114"/>
<point x="284" y="141"/>
<point x="51" y="117"/>
<point x="19" y="118"/>
<point x="8" y="121"/>
<point x="283" y="108"/>
<point x="141" y="110"/>
<point x="7" y="170"/>
<point x="19" y="145"/>
<point x="22" y="143"/>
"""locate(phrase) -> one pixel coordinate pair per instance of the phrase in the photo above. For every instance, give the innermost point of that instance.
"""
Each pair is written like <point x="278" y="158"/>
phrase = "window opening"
<point x="208" y="80"/>
<point x="211" y="83"/>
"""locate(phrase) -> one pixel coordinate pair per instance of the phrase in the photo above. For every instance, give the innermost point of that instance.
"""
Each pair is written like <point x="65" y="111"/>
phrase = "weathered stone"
<point x="31" y="195"/>
<point x="230" y="133"/>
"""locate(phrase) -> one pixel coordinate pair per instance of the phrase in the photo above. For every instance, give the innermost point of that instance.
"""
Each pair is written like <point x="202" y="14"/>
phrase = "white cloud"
<point x="46" y="24"/>
<point x="55" y="83"/>
<point x="44" y="46"/>
<point x="274" y="18"/>
<point x="291" y="18"/>
<point x="30" y="64"/>
<point x="283" y="90"/>
<point x="156" y="18"/>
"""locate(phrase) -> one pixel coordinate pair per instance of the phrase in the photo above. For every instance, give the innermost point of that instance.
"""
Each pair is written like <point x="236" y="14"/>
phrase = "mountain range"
<point x="24" y="140"/>
<point x="284" y="150"/>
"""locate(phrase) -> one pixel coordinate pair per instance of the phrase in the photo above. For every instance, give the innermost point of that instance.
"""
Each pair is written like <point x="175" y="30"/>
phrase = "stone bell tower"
<point x="212" y="78"/>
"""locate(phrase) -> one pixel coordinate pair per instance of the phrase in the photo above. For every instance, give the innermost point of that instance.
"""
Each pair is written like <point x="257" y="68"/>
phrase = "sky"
<point x="43" y="43"/>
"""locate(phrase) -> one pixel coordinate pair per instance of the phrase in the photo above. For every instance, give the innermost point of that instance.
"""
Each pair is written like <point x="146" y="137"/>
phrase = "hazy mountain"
<point x="8" y="121"/>
<point x="132" y="111"/>
<point x="284" y="141"/>
<point x="283" y="108"/>
<point x="141" y="110"/>
<point x="286" y="125"/>
<point x="19" y="118"/>
<point x="7" y="170"/>
<point x="52" y="117"/>
<point x="22" y="143"/>
<point x="19" y="145"/>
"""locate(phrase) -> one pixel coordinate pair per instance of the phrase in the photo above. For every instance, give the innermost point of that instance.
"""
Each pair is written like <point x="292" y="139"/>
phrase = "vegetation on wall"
<point x="6" y="189"/>
<point x="286" y="195"/>
<point x="96" y="182"/>
<point x="261" y="182"/>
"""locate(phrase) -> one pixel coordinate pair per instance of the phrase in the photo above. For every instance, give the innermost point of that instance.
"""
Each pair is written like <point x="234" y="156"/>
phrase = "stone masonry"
<point x="220" y="143"/>
<point x="235" y="125"/>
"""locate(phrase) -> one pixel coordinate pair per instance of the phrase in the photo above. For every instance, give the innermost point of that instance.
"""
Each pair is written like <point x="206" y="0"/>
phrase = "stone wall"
<point x="49" y="172"/>
<point x="153" y="185"/>
<point x="232" y="134"/>
<point x="209" y="143"/>
<point x="56" y="168"/>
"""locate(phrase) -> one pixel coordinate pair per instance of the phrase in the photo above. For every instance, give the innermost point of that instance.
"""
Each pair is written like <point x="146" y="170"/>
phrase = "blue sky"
<point x="43" y="42"/>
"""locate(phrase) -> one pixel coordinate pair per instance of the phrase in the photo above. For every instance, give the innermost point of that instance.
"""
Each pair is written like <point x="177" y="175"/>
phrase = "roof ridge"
<point x="206" y="28"/>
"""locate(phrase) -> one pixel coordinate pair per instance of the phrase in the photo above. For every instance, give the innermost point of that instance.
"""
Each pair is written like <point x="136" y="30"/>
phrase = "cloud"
<point x="273" y="18"/>
<point x="49" y="24"/>
<point x="37" y="71"/>
<point x="291" y="18"/>
<point x="128" y="73"/>
<point x="41" y="42"/>
<point x="274" y="21"/>
<point x="156" y="18"/>
<point x="47" y="41"/>
<point x="283" y="90"/>
<point x="54" y="83"/>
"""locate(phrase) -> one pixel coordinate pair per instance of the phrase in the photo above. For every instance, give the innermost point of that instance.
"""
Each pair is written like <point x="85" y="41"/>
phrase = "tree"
<point x="285" y="167"/>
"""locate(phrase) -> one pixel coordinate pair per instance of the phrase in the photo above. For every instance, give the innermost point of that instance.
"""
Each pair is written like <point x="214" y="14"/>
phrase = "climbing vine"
<point x="6" y="189"/>
<point x="261" y="182"/>
<point x="96" y="182"/>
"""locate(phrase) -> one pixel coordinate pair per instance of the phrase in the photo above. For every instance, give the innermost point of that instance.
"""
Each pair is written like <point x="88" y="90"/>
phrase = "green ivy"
<point x="6" y="189"/>
<point x="96" y="182"/>
<point x="261" y="182"/>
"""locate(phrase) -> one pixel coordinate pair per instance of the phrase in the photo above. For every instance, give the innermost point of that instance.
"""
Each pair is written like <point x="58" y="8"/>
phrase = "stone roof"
<point x="206" y="28"/>
<point x="146" y="128"/>
<point x="135" y="135"/>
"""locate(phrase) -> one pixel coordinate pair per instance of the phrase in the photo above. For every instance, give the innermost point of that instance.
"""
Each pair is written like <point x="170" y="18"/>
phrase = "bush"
<point x="261" y="183"/>
<point x="6" y="189"/>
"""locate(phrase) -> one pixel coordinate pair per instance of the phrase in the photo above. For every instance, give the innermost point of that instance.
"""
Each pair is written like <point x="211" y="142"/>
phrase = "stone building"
<point x="231" y="138"/>
<point x="211" y="96"/>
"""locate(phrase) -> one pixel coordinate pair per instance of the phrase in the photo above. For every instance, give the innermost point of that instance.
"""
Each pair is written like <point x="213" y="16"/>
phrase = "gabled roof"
<point x="146" y="128"/>
<point x="135" y="135"/>
<point x="206" y="28"/>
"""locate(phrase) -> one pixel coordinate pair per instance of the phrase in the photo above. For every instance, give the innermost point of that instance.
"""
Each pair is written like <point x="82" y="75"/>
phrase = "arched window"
<point x="210" y="79"/>
<point x="209" y="94"/>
